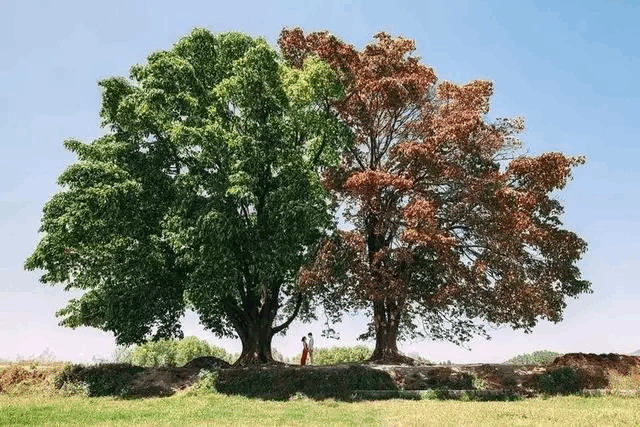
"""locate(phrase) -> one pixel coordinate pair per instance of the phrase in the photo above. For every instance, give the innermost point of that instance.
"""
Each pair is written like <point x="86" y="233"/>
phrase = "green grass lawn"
<point x="215" y="409"/>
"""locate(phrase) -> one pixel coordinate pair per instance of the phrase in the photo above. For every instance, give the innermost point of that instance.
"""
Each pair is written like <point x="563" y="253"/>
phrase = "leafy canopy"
<point x="452" y="229"/>
<point x="203" y="192"/>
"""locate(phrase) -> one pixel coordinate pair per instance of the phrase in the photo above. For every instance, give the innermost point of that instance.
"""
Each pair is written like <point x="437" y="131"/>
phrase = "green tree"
<point x="203" y="193"/>
<point x="337" y="355"/>
<point x="540" y="357"/>
<point x="170" y="352"/>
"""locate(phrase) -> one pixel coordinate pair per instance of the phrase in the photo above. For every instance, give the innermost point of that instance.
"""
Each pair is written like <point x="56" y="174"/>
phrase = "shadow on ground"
<point x="316" y="382"/>
<point x="569" y="374"/>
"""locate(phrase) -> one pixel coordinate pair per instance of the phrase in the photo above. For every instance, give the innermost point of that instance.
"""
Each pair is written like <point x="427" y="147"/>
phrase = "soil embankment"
<point x="284" y="381"/>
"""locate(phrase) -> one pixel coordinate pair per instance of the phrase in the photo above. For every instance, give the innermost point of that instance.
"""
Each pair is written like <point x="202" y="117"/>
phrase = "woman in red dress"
<point x="305" y="351"/>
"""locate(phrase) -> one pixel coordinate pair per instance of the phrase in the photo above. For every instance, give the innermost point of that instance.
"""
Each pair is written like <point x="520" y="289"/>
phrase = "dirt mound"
<point x="207" y="362"/>
<point x="589" y="371"/>
<point x="620" y="363"/>
<point x="521" y="379"/>
<point x="162" y="381"/>
<point x="593" y="369"/>
<point x="112" y="379"/>
<point x="284" y="381"/>
<point x="422" y="378"/>
<point x="16" y="375"/>
<point x="18" y="378"/>
<point x="107" y="379"/>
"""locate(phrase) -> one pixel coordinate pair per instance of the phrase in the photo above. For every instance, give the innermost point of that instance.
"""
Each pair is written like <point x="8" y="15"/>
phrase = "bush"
<point x="338" y="355"/>
<point x="170" y="353"/>
<point x="20" y="378"/>
<point x="282" y="383"/>
<point x="540" y="357"/>
<point x="206" y="382"/>
<point x="74" y="389"/>
<point x="431" y="394"/>
<point x="564" y="380"/>
<point x="98" y="380"/>
<point x="479" y="384"/>
<point x="631" y="381"/>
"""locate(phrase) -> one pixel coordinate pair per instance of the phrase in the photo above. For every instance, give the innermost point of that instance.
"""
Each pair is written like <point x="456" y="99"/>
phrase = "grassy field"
<point x="28" y="397"/>
<point x="216" y="409"/>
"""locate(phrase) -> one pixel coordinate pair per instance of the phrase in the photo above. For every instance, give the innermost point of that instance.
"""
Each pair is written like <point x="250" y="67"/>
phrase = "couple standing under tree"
<point x="307" y="349"/>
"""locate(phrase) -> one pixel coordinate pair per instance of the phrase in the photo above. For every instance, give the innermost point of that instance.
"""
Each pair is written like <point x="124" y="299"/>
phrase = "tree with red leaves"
<point x="453" y="230"/>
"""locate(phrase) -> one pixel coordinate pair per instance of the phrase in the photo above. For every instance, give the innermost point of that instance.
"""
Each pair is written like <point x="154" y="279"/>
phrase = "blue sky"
<point x="570" y="68"/>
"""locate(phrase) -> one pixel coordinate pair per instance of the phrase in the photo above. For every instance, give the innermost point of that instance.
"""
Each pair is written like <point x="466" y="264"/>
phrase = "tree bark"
<point x="386" y="318"/>
<point x="257" y="331"/>
<point x="256" y="346"/>
<point x="386" y="310"/>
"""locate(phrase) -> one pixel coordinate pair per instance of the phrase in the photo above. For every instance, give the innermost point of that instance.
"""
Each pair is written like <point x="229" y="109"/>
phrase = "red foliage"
<point x="442" y="219"/>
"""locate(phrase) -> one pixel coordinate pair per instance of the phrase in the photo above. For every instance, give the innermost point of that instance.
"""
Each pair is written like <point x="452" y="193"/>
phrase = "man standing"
<point x="310" y="344"/>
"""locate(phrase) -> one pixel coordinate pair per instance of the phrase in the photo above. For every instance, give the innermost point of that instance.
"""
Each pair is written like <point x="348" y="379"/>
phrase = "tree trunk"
<point x="386" y="318"/>
<point x="256" y="347"/>
<point x="257" y="330"/>
<point x="386" y="311"/>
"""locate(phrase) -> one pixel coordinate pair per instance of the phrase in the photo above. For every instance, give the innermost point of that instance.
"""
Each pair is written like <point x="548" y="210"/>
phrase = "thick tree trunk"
<point x="256" y="347"/>
<point x="386" y="310"/>
<point x="386" y="317"/>
<point x="256" y="330"/>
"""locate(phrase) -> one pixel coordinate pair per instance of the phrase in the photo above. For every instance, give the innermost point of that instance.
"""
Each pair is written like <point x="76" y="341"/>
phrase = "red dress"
<point x="305" y="352"/>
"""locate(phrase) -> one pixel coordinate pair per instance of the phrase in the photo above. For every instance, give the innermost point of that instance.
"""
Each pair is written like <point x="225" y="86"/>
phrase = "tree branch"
<point x="290" y="319"/>
<point x="316" y="158"/>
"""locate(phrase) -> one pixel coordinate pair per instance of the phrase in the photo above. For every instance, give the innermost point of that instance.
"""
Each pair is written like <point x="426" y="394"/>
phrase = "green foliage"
<point x="171" y="352"/>
<point x="203" y="193"/>
<point x="479" y="384"/>
<point x="564" y="380"/>
<point x="206" y="382"/>
<point x="79" y="388"/>
<point x="123" y="354"/>
<point x="338" y="355"/>
<point x="155" y="353"/>
<point x="431" y="394"/>
<point x="282" y="383"/>
<point x="299" y="396"/>
<point x="540" y="357"/>
<point x="98" y="380"/>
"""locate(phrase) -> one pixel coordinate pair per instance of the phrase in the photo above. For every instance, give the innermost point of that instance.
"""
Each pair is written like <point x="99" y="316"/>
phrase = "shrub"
<point x="206" y="381"/>
<point x="479" y="384"/>
<point x="540" y="357"/>
<point x="282" y="383"/>
<point x="74" y="389"/>
<point x="299" y="396"/>
<point x="155" y="353"/>
<point x="123" y="354"/>
<point x="431" y="394"/>
<point x="18" y="378"/>
<point x="170" y="352"/>
<point x="564" y="380"/>
<point x="338" y="355"/>
<point x="631" y="381"/>
<point x="99" y="380"/>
